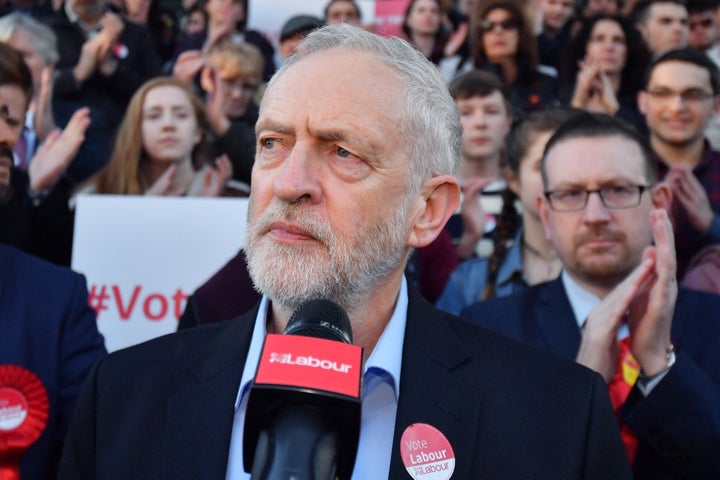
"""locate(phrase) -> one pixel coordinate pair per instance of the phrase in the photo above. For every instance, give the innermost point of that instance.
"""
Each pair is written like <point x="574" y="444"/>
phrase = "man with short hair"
<point x="679" y="100"/>
<point x="294" y="30"/>
<point x="486" y="114"/>
<point x="663" y="24"/>
<point x="555" y="31"/>
<point x="358" y="139"/>
<point x="616" y="307"/>
<point x="703" y="26"/>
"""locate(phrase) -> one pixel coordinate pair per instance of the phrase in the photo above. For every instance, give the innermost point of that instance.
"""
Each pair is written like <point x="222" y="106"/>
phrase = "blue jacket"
<point x="47" y="327"/>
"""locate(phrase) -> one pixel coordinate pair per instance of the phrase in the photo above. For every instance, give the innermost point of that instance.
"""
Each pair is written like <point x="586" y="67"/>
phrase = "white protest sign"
<point x="143" y="256"/>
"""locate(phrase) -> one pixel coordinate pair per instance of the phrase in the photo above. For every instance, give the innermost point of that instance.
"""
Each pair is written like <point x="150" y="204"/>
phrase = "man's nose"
<point x="595" y="210"/>
<point x="299" y="176"/>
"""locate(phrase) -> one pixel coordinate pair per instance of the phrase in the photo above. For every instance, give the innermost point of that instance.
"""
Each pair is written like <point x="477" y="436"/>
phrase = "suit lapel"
<point x="200" y="413"/>
<point x="431" y="391"/>
<point x="556" y="320"/>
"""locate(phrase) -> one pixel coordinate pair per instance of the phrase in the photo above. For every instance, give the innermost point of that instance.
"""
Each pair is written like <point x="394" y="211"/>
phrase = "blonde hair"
<point x="243" y="58"/>
<point x="127" y="171"/>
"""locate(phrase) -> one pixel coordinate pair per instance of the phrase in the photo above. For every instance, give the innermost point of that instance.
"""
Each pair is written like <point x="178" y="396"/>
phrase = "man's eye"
<point x="343" y="153"/>
<point x="569" y="195"/>
<point x="269" y="143"/>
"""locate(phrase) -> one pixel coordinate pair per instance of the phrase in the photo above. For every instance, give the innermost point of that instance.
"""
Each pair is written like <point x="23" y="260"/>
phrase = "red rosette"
<point x="24" y="411"/>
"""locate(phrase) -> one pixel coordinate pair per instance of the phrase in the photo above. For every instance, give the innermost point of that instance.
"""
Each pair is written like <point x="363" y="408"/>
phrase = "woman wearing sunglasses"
<point x="503" y="42"/>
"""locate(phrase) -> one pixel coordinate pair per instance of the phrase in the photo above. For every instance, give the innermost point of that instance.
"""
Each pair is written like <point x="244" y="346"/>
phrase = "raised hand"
<point x="215" y="88"/>
<point x="188" y="64"/>
<point x="163" y="184"/>
<point x="692" y="196"/>
<point x="650" y="316"/>
<point x="213" y="180"/>
<point x="599" y="346"/>
<point x="57" y="151"/>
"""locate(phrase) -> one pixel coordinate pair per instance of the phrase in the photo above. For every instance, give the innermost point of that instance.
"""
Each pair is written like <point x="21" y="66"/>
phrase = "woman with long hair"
<point x="423" y="26"/>
<point x="160" y="147"/>
<point x="502" y="41"/>
<point x="603" y="68"/>
<point x="522" y="255"/>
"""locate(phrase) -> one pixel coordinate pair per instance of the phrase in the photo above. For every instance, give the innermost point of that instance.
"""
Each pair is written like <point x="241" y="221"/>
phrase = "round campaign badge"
<point x="120" y="51"/>
<point x="24" y="411"/>
<point x="426" y="453"/>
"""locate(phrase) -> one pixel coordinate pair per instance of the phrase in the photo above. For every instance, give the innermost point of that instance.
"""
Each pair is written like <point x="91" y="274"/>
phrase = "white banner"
<point x="143" y="256"/>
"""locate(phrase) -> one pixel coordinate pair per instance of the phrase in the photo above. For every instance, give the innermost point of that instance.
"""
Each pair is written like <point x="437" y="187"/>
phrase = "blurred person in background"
<point x="38" y="46"/>
<point x="161" y="147"/>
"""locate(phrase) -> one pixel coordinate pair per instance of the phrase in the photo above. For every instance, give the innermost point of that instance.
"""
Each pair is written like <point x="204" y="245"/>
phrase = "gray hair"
<point x="430" y="121"/>
<point x="42" y="36"/>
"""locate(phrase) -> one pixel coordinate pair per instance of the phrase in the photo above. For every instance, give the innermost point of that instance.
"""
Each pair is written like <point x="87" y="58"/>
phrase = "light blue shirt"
<point x="381" y="390"/>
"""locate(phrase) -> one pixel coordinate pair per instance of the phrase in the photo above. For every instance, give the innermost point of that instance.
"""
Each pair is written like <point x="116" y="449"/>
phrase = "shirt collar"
<point x="385" y="359"/>
<point x="583" y="302"/>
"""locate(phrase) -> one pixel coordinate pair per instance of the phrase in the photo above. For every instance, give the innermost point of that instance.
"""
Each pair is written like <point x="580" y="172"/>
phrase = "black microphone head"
<point x="320" y="318"/>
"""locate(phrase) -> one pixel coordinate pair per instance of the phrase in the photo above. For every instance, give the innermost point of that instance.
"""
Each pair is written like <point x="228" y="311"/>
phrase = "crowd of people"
<point x="552" y="175"/>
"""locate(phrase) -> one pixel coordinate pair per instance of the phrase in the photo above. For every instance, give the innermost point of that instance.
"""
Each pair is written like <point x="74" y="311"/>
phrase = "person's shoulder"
<point x="473" y="267"/>
<point x="518" y="299"/>
<point x="689" y="299"/>
<point x="56" y="19"/>
<point x="20" y="264"/>
<point x="493" y="351"/>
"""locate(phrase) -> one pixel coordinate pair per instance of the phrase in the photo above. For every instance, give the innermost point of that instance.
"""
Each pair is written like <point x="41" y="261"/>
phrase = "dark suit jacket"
<point x="47" y="327"/>
<point x="678" y="424"/>
<point x="164" y="409"/>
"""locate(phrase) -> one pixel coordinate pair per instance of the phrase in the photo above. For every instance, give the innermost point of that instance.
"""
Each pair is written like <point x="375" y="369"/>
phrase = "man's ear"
<point x="437" y="201"/>
<point x="716" y="105"/>
<point x="661" y="196"/>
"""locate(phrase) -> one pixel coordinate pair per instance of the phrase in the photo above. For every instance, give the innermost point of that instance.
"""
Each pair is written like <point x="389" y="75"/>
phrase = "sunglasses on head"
<point x="488" y="25"/>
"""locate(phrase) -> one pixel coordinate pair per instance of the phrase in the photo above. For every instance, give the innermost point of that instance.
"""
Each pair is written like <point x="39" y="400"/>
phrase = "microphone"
<point x="303" y="415"/>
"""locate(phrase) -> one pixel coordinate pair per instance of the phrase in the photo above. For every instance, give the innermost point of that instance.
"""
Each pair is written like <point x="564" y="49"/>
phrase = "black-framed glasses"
<point x="692" y="95"/>
<point x="508" y="24"/>
<point x="613" y="197"/>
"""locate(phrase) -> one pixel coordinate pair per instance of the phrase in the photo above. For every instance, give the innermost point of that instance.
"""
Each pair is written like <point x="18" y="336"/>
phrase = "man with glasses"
<point x="616" y="307"/>
<point x="678" y="102"/>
